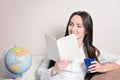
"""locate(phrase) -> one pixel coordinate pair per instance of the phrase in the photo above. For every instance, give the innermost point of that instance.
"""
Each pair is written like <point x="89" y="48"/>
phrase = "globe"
<point x="17" y="61"/>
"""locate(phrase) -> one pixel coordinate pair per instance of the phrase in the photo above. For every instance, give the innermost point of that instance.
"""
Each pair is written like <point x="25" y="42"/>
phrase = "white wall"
<point x="24" y="22"/>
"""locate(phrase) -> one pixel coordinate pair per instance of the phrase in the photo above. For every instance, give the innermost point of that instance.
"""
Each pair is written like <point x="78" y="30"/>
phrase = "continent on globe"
<point x="19" y="51"/>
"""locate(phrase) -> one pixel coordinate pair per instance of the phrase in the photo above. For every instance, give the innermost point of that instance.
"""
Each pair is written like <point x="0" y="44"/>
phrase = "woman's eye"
<point x="70" y="24"/>
<point x="79" y="26"/>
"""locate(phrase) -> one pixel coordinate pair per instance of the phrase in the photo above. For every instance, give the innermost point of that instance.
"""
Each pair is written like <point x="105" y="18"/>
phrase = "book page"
<point x="52" y="49"/>
<point x="68" y="47"/>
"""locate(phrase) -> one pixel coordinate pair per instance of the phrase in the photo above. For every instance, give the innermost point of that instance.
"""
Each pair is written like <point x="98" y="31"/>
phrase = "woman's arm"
<point x="111" y="66"/>
<point x="97" y="67"/>
<point x="108" y="61"/>
<point x="44" y="73"/>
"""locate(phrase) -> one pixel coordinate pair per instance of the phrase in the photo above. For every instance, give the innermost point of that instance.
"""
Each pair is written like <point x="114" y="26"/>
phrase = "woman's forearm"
<point x="53" y="72"/>
<point x="111" y="66"/>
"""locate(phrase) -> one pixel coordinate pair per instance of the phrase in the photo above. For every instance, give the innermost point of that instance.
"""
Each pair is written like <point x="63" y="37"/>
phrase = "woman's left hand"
<point x="96" y="67"/>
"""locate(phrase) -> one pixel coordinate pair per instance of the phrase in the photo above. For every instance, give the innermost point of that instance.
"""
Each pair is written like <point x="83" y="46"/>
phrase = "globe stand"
<point x="15" y="78"/>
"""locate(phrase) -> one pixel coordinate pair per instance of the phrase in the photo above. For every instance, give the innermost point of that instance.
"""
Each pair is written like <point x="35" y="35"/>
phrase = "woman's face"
<point x="76" y="27"/>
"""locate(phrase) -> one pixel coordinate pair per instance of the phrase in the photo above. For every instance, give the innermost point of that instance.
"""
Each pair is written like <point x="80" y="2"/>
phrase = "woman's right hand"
<point x="60" y="65"/>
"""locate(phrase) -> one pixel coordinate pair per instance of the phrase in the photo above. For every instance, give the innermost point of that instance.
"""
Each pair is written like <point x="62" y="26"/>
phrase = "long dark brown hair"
<point x="89" y="49"/>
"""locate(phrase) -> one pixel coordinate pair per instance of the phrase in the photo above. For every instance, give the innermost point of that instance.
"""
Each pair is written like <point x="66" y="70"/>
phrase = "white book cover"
<point x="62" y="48"/>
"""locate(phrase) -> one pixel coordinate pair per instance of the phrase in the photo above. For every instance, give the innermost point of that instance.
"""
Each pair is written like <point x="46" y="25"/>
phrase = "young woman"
<point x="80" y="24"/>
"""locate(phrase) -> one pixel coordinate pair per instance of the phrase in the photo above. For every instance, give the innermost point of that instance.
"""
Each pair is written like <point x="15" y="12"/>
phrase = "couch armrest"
<point x="110" y="75"/>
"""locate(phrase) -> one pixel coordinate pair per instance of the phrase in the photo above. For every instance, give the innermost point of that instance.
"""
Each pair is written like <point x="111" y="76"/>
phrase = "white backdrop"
<point x="24" y="22"/>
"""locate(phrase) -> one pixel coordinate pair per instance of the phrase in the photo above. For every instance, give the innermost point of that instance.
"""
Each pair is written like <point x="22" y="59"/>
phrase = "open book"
<point x="62" y="48"/>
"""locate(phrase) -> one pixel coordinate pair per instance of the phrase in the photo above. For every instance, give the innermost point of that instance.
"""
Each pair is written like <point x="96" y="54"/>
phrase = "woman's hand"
<point x="96" y="67"/>
<point x="60" y="65"/>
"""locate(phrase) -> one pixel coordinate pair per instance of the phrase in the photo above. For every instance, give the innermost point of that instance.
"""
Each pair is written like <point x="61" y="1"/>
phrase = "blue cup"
<point x="88" y="62"/>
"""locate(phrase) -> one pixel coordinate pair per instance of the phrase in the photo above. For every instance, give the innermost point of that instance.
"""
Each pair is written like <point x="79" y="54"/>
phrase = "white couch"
<point x="29" y="75"/>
